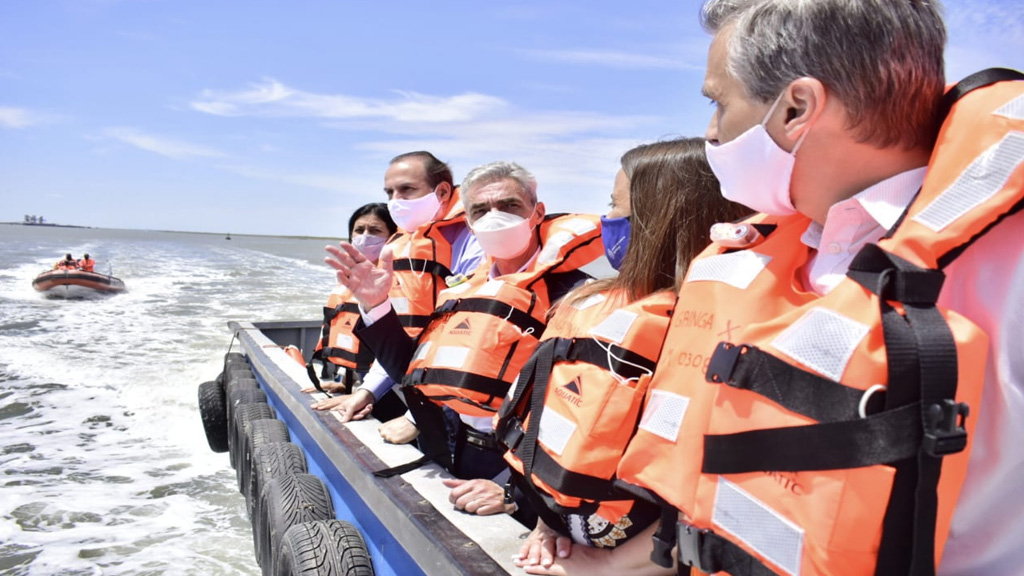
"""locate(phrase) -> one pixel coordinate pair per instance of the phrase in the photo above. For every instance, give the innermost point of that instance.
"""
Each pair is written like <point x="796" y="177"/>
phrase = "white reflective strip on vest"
<point x="589" y="301"/>
<point x="757" y="525"/>
<point x="553" y="246"/>
<point x="346" y="341"/>
<point x="1014" y="109"/>
<point x="490" y="288"/>
<point x="512" y="389"/>
<point x="664" y="414"/>
<point x="735" y="269"/>
<point x="421" y="351"/>
<point x="579" y="226"/>
<point x="401" y="305"/>
<point x="555" y="431"/>
<point x="986" y="176"/>
<point x="450" y="357"/>
<point x="823" y="340"/>
<point x="615" y="327"/>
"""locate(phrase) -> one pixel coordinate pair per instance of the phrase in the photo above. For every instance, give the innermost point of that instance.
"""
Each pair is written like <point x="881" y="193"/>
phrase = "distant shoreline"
<point x="49" y="225"/>
<point x="45" y="224"/>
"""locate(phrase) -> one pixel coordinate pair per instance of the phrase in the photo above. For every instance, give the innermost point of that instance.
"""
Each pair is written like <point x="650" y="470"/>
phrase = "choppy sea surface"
<point x="104" y="467"/>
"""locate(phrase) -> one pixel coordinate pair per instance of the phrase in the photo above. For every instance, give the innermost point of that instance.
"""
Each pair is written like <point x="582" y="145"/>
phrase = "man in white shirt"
<point x="421" y="196"/>
<point x="829" y="108"/>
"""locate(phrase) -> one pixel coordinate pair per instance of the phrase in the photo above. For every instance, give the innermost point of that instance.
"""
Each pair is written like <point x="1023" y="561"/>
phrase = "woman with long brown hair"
<point x="577" y="402"/>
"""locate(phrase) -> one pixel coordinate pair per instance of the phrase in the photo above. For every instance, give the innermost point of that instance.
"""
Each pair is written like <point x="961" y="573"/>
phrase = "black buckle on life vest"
<point x="479" y="439"/>
<point x="920" y="286"/>
<point x="663" y="543"/>
<point x="689" y="543"/>
<point x="512" y="434"/>
<point x="723" y="362"/>
<point x="563" y="348"/>
<point x="446" y="307"/>
<point x="944" y="432"/>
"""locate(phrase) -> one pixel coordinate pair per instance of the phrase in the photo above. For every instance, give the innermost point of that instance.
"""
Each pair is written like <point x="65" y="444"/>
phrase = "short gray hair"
<point x="496" y="171"/>
<point x="883" y="59"/>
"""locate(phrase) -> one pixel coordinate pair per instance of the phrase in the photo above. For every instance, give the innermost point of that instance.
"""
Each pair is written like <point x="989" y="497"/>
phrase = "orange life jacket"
<point x="484" y="330"/>
<point x="422" y="263"/>
<point x="575" y="407"/>
<point x="87" y="264"/>
<point x="338" y="343"/>
<point x="805" y="434"/>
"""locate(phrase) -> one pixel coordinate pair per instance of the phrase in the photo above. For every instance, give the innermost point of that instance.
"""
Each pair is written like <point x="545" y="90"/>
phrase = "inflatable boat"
<point x="308" y="480"/>
<point x="76" y="283"/>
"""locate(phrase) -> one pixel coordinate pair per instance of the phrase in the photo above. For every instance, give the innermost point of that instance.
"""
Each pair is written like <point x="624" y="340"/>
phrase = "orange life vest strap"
<point x="433" y="437"/>
<point x="922" y="369"/>
<point x="747" y="367"/>
<point x="493" y="387"/>
<point x="422" y="266"/>
<point x="526" y="323"/>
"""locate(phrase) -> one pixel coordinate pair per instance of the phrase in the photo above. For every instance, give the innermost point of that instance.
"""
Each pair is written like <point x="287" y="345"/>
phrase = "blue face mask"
<point x="615" y="235"/>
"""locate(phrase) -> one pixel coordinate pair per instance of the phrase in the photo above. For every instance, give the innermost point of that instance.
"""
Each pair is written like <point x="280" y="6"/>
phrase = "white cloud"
<point x="160" y="145"/>
<point x="574" y="154"/>
<point x="614" y="59"/>
<point x="19" y="117"/>
<point x="274" y="99"/>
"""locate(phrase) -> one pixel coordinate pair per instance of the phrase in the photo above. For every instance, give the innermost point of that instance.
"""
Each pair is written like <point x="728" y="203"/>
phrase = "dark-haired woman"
<point x="369" y="228"/>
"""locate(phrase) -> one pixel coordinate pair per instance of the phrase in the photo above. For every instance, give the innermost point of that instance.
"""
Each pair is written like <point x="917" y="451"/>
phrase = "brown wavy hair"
<point x="674" y="199"/>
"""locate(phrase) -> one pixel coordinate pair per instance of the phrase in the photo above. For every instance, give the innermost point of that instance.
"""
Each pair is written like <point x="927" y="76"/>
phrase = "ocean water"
<point x="104" y="467"/>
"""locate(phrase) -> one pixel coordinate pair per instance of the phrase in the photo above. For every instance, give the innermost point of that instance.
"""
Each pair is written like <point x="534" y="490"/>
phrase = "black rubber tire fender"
<point x="271" y="460"/>
<point x="243" y="394"/>
<point x="232" y="374"/>
<point x="323" y="548"/>
<point x="240" y="384"/>
<point x="255" y="434"/>
<point x="234" y="357"/>
<point x="244" y="413"/>
<point x="214" y="412"/>
<point x="287" y="501"/>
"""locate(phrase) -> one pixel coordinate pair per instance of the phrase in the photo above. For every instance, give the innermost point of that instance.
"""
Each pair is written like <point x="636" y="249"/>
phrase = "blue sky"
<point x="279" y="117"/>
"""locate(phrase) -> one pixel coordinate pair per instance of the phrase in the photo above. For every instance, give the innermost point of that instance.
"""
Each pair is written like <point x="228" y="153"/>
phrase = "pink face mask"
<point x="369" y="245"/>
<point x="411" y="214"/>
<point x="754" y="171"/>
<point x="502" y="235"/>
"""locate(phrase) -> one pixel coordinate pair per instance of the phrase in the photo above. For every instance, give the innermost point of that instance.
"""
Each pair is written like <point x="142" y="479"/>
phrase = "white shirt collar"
<point x="884" y="202"/>
<point x="494" y="267"/>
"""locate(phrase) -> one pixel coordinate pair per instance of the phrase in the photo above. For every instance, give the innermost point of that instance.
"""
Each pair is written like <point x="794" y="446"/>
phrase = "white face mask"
<point x="411" y="214"/>
<point x="369" y="245"/>
<point x="502" y="235"/>
<point x="754" y="171"/>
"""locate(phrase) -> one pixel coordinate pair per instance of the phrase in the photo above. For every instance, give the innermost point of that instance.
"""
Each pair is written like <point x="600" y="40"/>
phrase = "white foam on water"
<point x="106" y="469"/>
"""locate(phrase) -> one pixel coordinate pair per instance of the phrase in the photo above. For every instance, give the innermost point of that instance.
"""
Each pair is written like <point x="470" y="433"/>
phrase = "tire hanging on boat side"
<point x="323" y="548"/>
<point x="244" y="413"/>
<point x="238" y="397"/>
<point x="287" y="501"/>
<point x="255" y="434"/>
<point x="213" y="410"/>
<point x="270" y="460"/>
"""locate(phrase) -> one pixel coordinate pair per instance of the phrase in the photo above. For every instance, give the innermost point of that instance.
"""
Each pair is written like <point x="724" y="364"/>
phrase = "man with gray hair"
<point x="486" y="324"/>
<point x="826" y="118"/>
